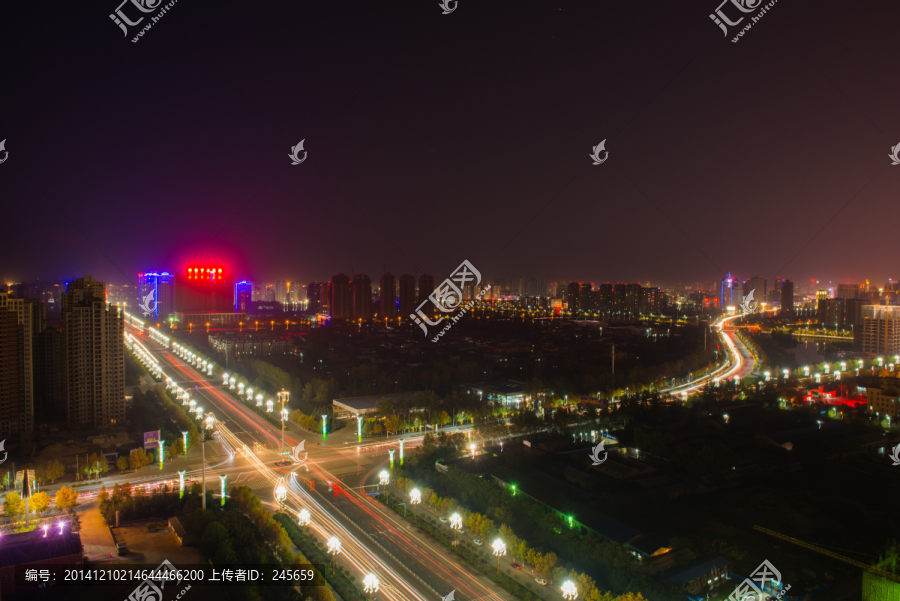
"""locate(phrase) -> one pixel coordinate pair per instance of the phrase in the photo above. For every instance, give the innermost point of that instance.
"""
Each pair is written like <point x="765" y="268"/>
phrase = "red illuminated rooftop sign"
<point x="204" y="273"/>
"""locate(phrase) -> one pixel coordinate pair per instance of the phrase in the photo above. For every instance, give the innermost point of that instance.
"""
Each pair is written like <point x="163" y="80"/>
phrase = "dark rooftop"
<point x="31" y="547"/>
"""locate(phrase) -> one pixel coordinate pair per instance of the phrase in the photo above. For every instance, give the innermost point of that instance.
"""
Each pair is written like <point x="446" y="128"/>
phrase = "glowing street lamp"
<point x="806" y="370"/>
<point x="455" y="524"/>
<point x="818" y="378"/>
<point x="767" y="375"/>
<point x="259" y="400"/>
<point x="208" y="422"/>
<point x="415" y="497"/>
<point x="391" y="453"/>
<point x="270" y="406"/>
<point x="383" y="478"/>
<point x="249" y="394"/>
<point x="334" y="547"/>
<point x="726" y="417"/>
<point x="359" y="428"/>
<point x="280" y="492"/>
<point x="181" y="483"/>
<point x="499" y="550"/>
<point x="837" y="375"/>
<point x="224" y="379"/>
<point x="827" y="367"/>
<point x="184" y="441"/>
<point x="472" y="448"/>
<point x="231" y="382"/>
<point x="303" y="517"/>
<point x="401" y="451"/>
<point x="162" y="453"/>
<point x="370" y="584"/>
<point x="324" y="426"/>
<point x="786" y="373"/>
<point x="569" y="592"/>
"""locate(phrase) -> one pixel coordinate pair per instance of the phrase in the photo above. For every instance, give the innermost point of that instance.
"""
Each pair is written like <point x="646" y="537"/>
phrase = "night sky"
<point x="435" y="138"/>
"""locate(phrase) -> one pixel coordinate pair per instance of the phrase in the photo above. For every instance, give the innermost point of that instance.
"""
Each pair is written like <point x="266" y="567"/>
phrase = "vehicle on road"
<point x="541" y="581"/>
<point x="478" y="542"/>
<point x="517" y="566"/>
<point x="444" y="520"/>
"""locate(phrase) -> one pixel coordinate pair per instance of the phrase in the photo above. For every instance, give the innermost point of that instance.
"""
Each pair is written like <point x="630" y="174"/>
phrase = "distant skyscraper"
<point x="243" y="296"/>
<point x="848" y="291"/>
<point x="833" y="313"/>
<point x="388" y="297"/>
<point x="726" y="291"/>
<point x="281" y="291"/>
<point x="619" y="294"/>
<point x="162" y="284"/>
<point x="853" y="317"/>
<point x="787" y="297"/>
<point x="407" y="295"/>
<point x="341" y="299"/>
<point x="93" y="360"/>
<point x="362" y="297"/>
<point x="759" y="285"/>
<point x="572" y="294"/>
<point x="313" y="301"/>
<point x="603" y="297"/>
<point x="426" y="287"/>
<point x="632" y="301"/>
<point x="585" y="296"/>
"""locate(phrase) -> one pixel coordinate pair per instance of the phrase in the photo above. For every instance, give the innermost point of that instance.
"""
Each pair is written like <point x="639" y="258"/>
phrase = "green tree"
<point x="122" y="463"/>
<point x="14" y="505"/>
<point x="138" y="458"/>
<point x="54" y="470"/>
<point x="67" y="498"/>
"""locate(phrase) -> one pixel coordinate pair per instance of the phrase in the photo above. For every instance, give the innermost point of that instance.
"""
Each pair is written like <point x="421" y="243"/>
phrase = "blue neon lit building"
<point x="162" y="303"/>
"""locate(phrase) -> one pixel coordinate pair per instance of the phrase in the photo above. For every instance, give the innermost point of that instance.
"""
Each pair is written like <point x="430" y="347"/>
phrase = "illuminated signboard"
<point x="210" y="274"/>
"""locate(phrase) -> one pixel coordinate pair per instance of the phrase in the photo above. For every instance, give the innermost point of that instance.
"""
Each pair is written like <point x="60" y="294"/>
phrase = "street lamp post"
<point x="415" y="497"/>
<point x="324" y="426"/>
<point x="455" y="524"/>
<point x="184" y="440"/>
<point x="334" y="547"/>
<point x="383" y="478"/>
<point x="303" y="517"/>
<point x="499" y="550"/>
<point x="283" y="397"/>
<point x="359" y="428"/>
<point x="210" y="418"/>
<point x="280" y="492"/>
<point x="569" y="592"/>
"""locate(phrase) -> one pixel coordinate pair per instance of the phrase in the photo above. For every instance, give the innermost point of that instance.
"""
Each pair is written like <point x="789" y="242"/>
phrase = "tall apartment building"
<point x="426" y="287"/>
<point x="632" y="301"/>
<point x="572" y="294"/>
<point x="387" y="296"/>
<point x="407" y="295"/>
<point x="880" y="329"/>
<point x="758" y="284"/>
<point x="787" y="297"/>
<point x="93" y="356"/>
<point x="833" y="314"/>
<point x="603" y="297"/>
<point x="362" y="297"/>
<point x="726" y="291"/>
<point x="586" y="296"/>
<point x="21" y="324"/>
<point x="341" y="305"/>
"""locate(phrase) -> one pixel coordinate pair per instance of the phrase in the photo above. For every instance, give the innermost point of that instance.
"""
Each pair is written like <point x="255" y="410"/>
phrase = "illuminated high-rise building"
<point x="388" y="297"/>
<point x="787" y="297"/>
<point x="243" y="296"/>
<point x="880" y="329"/>
<point x="362" y="297"/>
<point x="204" y="289"/>
<point x="572" y="296"/>
<point x="758" y="285"/>
<point x="341" y="306"/>
<point x="726" y="291"/>
<point x="586" y="296"/>
<point x="93" y="356"/>
<point x="162" y="301"/>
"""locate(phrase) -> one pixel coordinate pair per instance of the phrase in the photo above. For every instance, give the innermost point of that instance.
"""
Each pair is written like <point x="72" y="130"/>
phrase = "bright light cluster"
<point x="160" y="338"/>
<point x="198" y="361"/>
<point x="209" y="273"/>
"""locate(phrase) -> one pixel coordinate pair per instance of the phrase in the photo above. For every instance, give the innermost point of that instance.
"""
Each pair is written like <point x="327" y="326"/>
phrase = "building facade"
<point x="880" y="329"/>
<point x="93" y="356"/>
